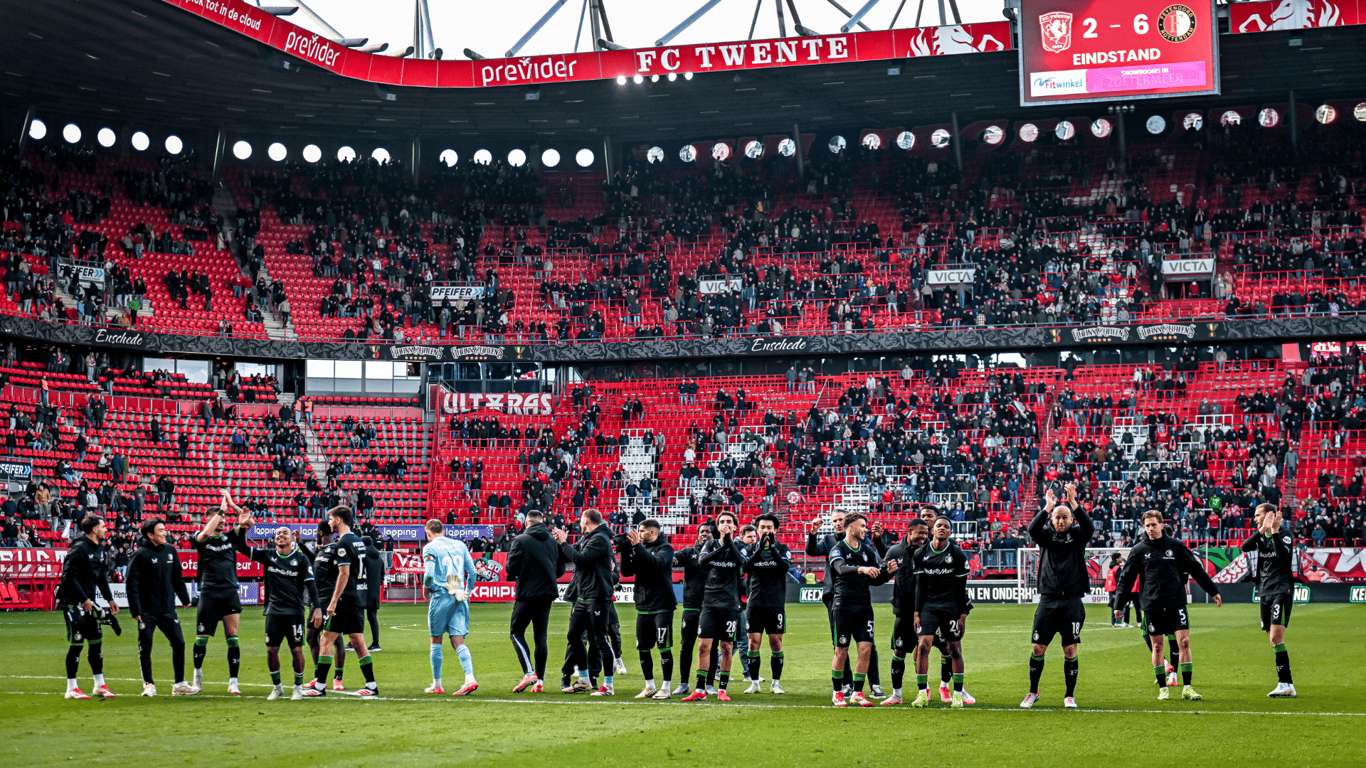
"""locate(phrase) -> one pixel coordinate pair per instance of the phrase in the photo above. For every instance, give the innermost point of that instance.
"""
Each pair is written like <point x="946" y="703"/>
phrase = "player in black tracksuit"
<point x="535" y="564"/>
<point x="694" y="583"/>
<point x="290" y="590"/>
<point x="821" y="546"/>
<point x="766" y="572"/>
<point x="721" y="560"/>
<point x="941" y="605"/>
<point x="85" y="577"/>
<point x="649" y="558"/>
<point x="1064" y="580"/>
<point x="371" y="590"/>
<point x="1165" y="564"/>
<point x="155" y="580"/>
<point x="594" y="564"/>
<point x="1275" y="548"/>
<point x="856" y="567"/>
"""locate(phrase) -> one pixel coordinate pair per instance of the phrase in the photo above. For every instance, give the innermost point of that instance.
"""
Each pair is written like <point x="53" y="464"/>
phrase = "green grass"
<point x="1121" y="722"/>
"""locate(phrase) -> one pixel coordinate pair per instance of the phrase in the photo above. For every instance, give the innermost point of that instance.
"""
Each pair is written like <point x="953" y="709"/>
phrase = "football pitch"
<point x="1120" y="720"/>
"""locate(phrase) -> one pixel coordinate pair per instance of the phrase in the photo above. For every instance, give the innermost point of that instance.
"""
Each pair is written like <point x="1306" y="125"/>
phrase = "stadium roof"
<point x="148" y="64"/>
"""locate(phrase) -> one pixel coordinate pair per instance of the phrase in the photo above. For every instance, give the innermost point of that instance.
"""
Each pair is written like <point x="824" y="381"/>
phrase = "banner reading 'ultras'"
<point x="1092" y="50"/>
<point x="530" y="404"/>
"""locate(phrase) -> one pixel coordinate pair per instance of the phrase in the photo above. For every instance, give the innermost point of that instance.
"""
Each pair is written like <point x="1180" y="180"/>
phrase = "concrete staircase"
<point x="226" y="206"/>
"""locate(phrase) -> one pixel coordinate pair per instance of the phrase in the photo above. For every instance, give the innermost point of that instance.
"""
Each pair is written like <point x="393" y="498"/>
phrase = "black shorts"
<point x="349" y="618"/>
<point x="904" y="638"/>
<point x="763" y="620"/>
<point x="282" y="626"/>
<point x="1063" y="617"/>
<point x="655" y="630"/>
<point x="718" y="624"/>
<point x="1276" y="611"/>
<point x="213" y="608"/>
<point x="81" y="626"/>
<point x="688" y="626"/>
<point x="940" y="623"/>
<point x="853" y="626"/>
<point x="1165" y="621"/>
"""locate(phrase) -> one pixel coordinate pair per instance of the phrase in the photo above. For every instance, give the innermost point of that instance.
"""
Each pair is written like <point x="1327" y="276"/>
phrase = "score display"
<point x="1074" y="51"/>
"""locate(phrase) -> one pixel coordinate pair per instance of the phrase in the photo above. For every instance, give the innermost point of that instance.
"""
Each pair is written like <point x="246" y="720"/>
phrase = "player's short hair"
<point x="150" y="525"/>
<point x="594" y="516"/>
<point x="770" y="518"/>
<point x="344" y="514"/>
<point x="734" y="520"/>
<point x="931" y="508"/>
<point x="945" y="519"/>
<point x="914" y="523"/>
<point x="435" y="526"/>
<point x="744" y="529"/>
<point x="324" y="529"/>
<point x="650" y="523"/>
<point x="215" y="509"/>
<point x="534" y="514"/>
<point x="90" y="523"/>
<point x="850" y="518"/>
<point x="1264" y="508"/>
<point x="1152" y="514"/>
<point x="369" y="542"/>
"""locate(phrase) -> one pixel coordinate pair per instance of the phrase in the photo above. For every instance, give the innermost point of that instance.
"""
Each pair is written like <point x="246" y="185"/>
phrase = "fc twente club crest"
<point x="1056" y="30"/>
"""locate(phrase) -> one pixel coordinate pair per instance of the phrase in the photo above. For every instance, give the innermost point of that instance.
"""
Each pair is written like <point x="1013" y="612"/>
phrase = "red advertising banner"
<point x="1334" y="565"/>
<point x="246" y="569"/>
<point x="285" y="36"/>
<point x="31" y="562"/>
<point x="444" y="401"/>
<point x="1074" y="51"/>
<point x="407" y="562"/>
<point x="1273" y="15"/>
<point x="494" y="592"/>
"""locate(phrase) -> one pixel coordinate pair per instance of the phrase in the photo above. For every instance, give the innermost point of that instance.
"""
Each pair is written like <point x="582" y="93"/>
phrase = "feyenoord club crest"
<point x="1056" y="28"/>
<point x="1176" y="24"/>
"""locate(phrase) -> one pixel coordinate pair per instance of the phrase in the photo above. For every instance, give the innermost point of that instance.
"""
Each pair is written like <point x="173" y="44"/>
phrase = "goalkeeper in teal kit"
<point x="449" y="581"/>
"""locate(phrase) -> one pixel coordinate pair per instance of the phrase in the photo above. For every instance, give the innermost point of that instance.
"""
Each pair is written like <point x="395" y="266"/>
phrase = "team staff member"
<point x="155" y="580"/>
<point x="218" y="598"/>
<point x="534" y="563"/>
<point x="1165" y="565"/>
<point x="372" y="590"/>
<point x="593" y="563"/>
<point x="1063" y="580"/>
<point x="766" y="571"/>
<point x="694" y="585"/>
<point x="721" y="560"/>
<point x="84" y="575"/>
<point x="650" y="558"/>
<point x="1275" y="587"/>
<point x="290" y="590"/>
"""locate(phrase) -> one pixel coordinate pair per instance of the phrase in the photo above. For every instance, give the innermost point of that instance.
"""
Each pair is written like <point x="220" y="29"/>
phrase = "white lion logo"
<point x="949" y="41"/>
<point x="1295" y="14"/>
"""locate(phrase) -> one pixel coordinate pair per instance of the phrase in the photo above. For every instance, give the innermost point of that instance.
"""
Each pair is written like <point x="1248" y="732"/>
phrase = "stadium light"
<point x="106" y="137"/>
<point x="687" y="153"/>
<point x="516" y="158"/>
<point x="1326" y="114"/>
<point x="621" y="79"/>
<point x="806" y="31"/>
<point x="174" y="145"/>
<point x="687" y="75"/>
<point x="483" y="157"/>
<point x="437" y="54"/>
<point x="1359" y="112"/>
<point x="312" y="153"/>
<point x="352" y="42"/>
<point x="405" y="53"/>
<point x="37" y="130"/>
<point x="241" y="150"/>
<point x="638" y="79"/>
<point x="379" y="48"/>
<point x="380" y="155"/>
<point x="1029" y="133"/>
<point x="673" y="76"/>
<point x="904" y="140"/>
<point x="449" y="158"/>
<point x="584" y="157"/>
<point x="550" y="158"/>
<point x="837" y="144"/>
<point x="1156" y="124"/>
<point x="472" y="56"/>
<point x="72" y="133"/>
<point x="346" y="154"/>
<point x="787" y="147"/>
<point x="611" y="46"/>
<point x="276" y="151"/>
<point x="279" y="10"/>
<point x="141" y="141"/>
<point x="940" y="138"/>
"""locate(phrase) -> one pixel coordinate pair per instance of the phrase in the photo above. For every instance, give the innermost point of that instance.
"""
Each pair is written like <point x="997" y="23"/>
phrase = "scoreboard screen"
<point x="1074" y="51"/>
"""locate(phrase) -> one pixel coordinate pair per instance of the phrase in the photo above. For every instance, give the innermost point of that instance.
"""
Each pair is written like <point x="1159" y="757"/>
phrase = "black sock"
<point x="73" y="660"/>
<point x="367" y="668"/>
<point x="848" y="672"/>
<point x="722" y="680"/>
<point x="752" y="662"/>
<point x="1035" y="672"/>
<point x="945" y="669"/>
<point x="898" y="671"/>
<point x="647" y="665"/>
<point x="1174" y="650"/>
<point x="201" y="647"/>
<point x="701" y="680"/>
<point x="1187" y="669"/>
<point x="711" y="672"/>
<point x="837" y="679"/>
<point x="666" y="664"/>
<point x="1126" y="614"/>
<point x="1283" y="664"/>
<point x="776" y="663"/>
<point x="275" y="676"/>
<point x="320" y="671"/>
<point x="858" y="682"/>
<point x="1070" y="668"/>
<point x="874" y="679"/>
<point x="234" y="656"/>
